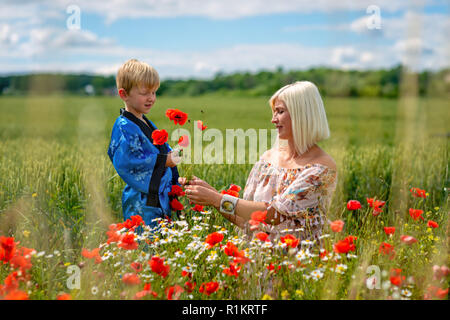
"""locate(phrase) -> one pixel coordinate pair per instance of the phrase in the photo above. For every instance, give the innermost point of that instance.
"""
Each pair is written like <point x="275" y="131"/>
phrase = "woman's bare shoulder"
<point x="326" y="160"/>
<point x="267" y="155"/>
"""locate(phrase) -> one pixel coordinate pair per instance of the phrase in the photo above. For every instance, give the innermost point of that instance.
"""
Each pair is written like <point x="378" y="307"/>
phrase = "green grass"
<point x="57" y="182"/>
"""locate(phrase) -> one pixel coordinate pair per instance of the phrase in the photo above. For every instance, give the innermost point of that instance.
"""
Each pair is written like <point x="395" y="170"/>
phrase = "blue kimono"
<point x="141" y="164"/>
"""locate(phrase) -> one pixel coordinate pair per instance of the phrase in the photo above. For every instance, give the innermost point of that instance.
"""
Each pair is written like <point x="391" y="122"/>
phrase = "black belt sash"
<point x="160" y="164"/>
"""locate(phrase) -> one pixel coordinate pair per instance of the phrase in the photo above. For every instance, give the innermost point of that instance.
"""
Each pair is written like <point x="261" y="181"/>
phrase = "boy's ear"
<point x="123" y="93"/>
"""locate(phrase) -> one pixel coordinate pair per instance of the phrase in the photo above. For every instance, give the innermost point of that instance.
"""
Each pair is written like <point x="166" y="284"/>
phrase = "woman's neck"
<point x="291" y="153"/>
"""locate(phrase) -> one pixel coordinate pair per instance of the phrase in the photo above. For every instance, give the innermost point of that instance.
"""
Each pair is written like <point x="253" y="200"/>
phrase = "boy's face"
<point x="139" y="100"/>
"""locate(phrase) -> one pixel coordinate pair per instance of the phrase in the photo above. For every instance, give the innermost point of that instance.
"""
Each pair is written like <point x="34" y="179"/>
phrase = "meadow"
<point x="59" y="194"/>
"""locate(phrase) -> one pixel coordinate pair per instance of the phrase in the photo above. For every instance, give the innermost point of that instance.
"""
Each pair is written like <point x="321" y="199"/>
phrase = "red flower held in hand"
<point x="418" y="193"/>
<point x="432" y="224"/>
<point x="258" y="217"/>
<point x="389" y="230"/>
<point x="290" y="240"/>
<point x="177" y="191"/>
<point x="408" y="239"/>
<point x="183" y="141"/>
<point x="416" y="214"/>
<point x="200" y="125"/>
<point x="337" y="225"/>
<point x="177" y="116"/>
<point x="159" y="137"/>
<point x="214" y="238"/>
<point x="209" y="287"/>
<point x="157" y="265"/>
<point x="353" y="205"/>
<point x="176" y="205"/>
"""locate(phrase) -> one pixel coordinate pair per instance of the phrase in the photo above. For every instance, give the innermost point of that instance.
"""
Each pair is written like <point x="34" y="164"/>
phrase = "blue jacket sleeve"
<point x="134" y="160"/>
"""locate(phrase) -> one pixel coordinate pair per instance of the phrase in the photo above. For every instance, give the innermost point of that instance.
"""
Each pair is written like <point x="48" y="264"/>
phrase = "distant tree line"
<point x="331" y="82"/>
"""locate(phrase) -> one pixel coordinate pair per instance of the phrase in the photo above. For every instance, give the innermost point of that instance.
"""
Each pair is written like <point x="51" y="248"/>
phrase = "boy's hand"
<point x="169" y="161"/>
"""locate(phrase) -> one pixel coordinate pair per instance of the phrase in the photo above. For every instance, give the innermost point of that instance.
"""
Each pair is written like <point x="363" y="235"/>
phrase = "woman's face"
<point x="282" y="120"/>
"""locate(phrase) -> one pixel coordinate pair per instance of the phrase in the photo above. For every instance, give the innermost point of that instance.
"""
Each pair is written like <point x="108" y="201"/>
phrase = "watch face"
<point x="228" y="206"/>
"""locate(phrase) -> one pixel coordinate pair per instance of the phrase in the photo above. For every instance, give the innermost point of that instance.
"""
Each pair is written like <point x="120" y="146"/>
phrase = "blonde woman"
<point x="293" y="181"/>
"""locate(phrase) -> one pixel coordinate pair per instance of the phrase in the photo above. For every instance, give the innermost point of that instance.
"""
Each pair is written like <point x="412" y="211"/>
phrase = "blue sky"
<point x="198" y="38"/>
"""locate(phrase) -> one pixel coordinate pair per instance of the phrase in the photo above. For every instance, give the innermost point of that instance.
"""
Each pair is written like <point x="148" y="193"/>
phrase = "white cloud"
<point x="218" y="9"/>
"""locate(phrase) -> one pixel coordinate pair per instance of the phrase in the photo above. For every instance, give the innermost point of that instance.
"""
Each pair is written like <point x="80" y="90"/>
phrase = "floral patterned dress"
<point x="300" y="196"/>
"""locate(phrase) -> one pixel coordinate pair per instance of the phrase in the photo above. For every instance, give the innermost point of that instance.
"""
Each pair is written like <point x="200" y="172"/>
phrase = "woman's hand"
<point x="202" y="195"/>
<point x="195" y="182"/>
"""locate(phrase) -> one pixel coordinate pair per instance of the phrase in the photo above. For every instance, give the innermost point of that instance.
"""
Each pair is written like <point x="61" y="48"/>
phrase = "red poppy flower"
<point x="177" y="116"/>
<point x="232" y="270"/>
<point x="94" y="254"/>
<point x="200" y="125"/>
<point x="131" y="279"/>
<point x="408" y="239"/>
<point x="389" y="230"/>
<point x="174" y="292"/>
<point x="189" y="286"/>
<point x="214" y="238"/>
<point x="177" y="191"/>
<point x="133" y="222"/>
<point x="159" y="136"/>
<point x="64" y="296"/>
<point x="387" y="249"/>
<point x="258" y="217"/>
<point x="197" y="208"/>
<point x="157" y="265"/>
<point x="418" y="193"/>
<point x="233" y="251"/>
<point x="209" y="287"/>
<point x="416" y="214"/>
<point x="231" y="193"/>
<point x="377" y="205"/>
<point x="16" y="295"/>
<point x="136" y="266"/>
<point x="396" y="277"/>
<point x="7" y="248"/>
<point x="113" y="234"/>
<point x="346" y="245"/>
<point x="432" y="224"/>
<point x="353" y="205"/>
<point x="290" y="240"/>
<point x="271" y="267"/>
<point x="337" y="225"/>
<point x="176" y="205"/>
<point x="147" y="290"/>
<point x="235" y="187"/>
<point x="127" y="242"/>
<point x="183" y="141"/>
<point x="262" y="236"/>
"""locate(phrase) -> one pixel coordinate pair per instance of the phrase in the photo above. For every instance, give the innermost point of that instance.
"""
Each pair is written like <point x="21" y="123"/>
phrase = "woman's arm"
<point x="205" y="196"/>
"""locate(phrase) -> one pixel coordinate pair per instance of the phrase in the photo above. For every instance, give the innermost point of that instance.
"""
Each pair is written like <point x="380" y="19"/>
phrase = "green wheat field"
<point x="59" y="193"/>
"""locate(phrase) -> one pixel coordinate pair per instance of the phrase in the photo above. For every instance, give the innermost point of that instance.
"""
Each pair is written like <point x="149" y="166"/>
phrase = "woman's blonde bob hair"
<point x="305" y="106"/>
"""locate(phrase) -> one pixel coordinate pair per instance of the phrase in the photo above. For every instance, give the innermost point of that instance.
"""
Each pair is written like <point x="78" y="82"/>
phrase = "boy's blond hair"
<point x="135" y="73"/>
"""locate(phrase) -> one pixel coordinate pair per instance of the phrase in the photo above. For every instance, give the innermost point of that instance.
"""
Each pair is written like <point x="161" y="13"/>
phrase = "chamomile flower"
<point x="316" y="275"/>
